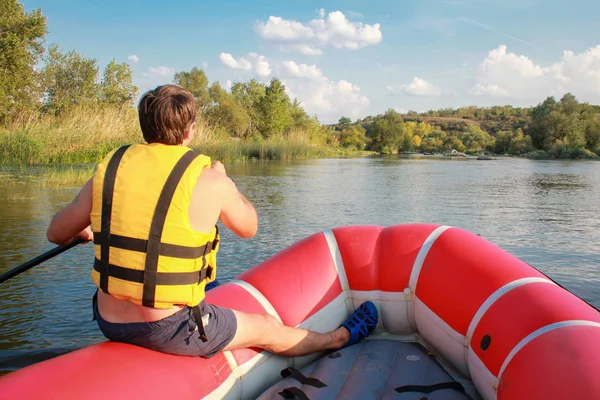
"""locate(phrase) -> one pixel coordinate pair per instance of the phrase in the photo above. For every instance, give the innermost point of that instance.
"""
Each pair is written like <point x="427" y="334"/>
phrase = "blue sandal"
<point x="212" y="285"/>
<point x="361" y="323"/>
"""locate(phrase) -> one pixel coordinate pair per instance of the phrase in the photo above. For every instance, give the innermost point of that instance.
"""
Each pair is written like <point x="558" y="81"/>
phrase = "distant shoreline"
<point x="63" y="176"/>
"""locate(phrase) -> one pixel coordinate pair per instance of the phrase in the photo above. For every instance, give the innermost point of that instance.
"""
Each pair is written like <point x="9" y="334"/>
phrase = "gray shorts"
<point x="177" y="333"/>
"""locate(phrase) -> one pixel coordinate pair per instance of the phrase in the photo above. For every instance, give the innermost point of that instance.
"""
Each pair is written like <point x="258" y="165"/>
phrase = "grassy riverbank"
<point x="87" y="135"/>
<point x="68" y="148"/>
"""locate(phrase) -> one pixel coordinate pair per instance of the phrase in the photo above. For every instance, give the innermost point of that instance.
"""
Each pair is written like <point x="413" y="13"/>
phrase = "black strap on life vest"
<point x="162" y="278"/>
<point x="141" y="245"/>
<point x="157" y="225"/>
<point x="199" y="323"/>
<point x="430" y="388"/>
<point x="108" y="188"/>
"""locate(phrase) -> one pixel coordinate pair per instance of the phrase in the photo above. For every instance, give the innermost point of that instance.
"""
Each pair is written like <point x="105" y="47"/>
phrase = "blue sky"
<point x="350" y="58"/>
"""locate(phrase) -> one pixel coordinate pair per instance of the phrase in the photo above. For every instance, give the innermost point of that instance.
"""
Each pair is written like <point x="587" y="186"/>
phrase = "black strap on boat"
<point x="157" y="225"/>
<point x="292" y="372"/>
<point x="108" y="188"/>
<point x="293" y="393"/>
<point x="430" y="388"/>
<point x="199" y="323"/>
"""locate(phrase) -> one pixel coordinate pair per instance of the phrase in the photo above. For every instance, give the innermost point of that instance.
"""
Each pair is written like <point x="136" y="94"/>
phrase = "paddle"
<point x="38" y="260"/>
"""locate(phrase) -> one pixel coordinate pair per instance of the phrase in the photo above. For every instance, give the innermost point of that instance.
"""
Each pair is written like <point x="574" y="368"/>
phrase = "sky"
<point x="349" y="58"/>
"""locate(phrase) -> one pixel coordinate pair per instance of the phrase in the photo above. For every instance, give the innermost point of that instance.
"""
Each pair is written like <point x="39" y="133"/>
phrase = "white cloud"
<point x="159" y="72"/>
<point x="330" y="99"/>
<point x="301" y="48"/>
<point x="133" y="58"/>
<point x="301" y="70"/>
<point x="579" y="72"/>
<point x="261" y="65"/>
<point x="499" y="61"/>
<point x="417" y="87"/>
<point x="257" y="63"/>
<point x="204" y="64"/>
<point x="227" y="59"/>
<point x="228" y="84"/>
<point x="322" y="13"/>
<point x="492" y="90"/>
<point x="319" y="95"/>
<point x="517" y="76"/>
<point x="336" y="30"/>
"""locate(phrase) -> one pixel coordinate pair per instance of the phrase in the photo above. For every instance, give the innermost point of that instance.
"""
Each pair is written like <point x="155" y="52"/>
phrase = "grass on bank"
<point x="86" y="135"/>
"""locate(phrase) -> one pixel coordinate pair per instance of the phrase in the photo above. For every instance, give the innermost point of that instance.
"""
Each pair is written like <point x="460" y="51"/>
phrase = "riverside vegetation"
<point x="67" y="112"/>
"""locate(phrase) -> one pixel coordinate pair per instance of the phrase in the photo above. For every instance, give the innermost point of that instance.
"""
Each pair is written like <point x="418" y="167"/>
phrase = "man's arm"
<point x="216" y="197"/>
<point x="237" y="213"/>
<point x="73" y="220"/>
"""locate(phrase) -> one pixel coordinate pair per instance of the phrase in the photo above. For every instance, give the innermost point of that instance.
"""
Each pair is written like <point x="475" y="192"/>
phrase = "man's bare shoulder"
<point x="212" y="179"/>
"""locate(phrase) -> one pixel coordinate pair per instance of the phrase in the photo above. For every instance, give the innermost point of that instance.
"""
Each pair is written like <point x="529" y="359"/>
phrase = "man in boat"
<point x="152" y="211"/>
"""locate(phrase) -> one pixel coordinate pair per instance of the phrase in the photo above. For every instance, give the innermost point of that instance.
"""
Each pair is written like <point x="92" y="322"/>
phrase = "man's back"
<point x="214" y="196"/>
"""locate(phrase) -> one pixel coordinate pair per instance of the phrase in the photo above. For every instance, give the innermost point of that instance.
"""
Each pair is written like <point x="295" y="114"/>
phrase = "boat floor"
<point x="377" y="368"/>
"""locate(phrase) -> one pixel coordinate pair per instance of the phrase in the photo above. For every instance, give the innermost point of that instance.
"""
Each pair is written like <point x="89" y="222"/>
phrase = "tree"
<point x="431" y="144"/>
<point x="275" y="109"/>
<point x="503" y="139"/>
<point x="21" y="36"/>
<point x="387" y="132"/>
<point x="353" y="137"/>
<point x="520" y="143"/>
<point x="117" y="87"/>
<point x="416" y="141"/>
<point x="592" y="136"/>
<point x="250" y="95"/>
<point x="477" y="139"/>
<point x="539" y="132"/>
<point x="226" y="112"/>
<point x="566" y="122"/>
<point x="69" y="79"/>
<point x="423" y="129"/>
<point x="344" y="122"/>
<point x="197" y="83"/>
<point x="455" y="143"/>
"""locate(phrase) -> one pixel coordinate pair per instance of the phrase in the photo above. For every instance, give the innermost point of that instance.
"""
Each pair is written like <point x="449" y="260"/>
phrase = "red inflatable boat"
<point x="459" y="318"/>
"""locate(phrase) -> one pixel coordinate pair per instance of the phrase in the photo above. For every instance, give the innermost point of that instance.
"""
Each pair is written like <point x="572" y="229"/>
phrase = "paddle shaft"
<point x="38" y="260"/>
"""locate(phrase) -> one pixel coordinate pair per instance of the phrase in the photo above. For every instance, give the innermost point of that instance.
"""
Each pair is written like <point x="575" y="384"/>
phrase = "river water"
<point x="545" y="212"/>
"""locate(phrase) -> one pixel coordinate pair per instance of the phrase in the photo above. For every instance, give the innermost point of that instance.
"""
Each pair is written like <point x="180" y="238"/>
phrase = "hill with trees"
<point x="563" y="128"/>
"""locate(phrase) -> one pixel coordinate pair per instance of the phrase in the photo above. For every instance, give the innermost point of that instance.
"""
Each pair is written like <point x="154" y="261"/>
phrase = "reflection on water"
<point x="545" y="212"/>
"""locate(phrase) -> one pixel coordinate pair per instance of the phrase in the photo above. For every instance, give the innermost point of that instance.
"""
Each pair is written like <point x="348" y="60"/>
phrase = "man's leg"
<point x="266" y="332"/>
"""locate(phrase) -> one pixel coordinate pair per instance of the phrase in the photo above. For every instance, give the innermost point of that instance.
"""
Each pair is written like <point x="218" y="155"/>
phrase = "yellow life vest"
<point x="146" y="249"/>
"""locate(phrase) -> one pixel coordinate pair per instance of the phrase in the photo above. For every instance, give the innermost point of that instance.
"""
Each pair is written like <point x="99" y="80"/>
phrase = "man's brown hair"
<point x="166" y="113"/>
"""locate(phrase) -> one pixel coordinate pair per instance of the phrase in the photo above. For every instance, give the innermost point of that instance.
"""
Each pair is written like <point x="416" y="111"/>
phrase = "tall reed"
<point x="86" y="135"/>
